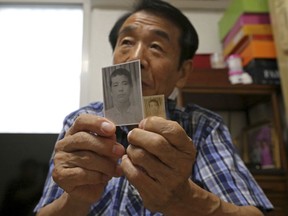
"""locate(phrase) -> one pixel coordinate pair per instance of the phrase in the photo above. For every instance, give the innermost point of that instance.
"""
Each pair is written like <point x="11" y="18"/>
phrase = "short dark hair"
<point x="188" y="40"/>
<point x="121" y="72"/>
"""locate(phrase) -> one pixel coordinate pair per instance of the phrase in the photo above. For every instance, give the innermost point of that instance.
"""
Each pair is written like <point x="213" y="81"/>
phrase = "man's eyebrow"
<point x="127" y="29"/>
<point x="161" y="34"/>
<point x="158" y="32"/>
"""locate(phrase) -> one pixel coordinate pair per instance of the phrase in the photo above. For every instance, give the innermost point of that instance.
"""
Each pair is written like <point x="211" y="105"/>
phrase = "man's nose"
<point x="139" y="53"/>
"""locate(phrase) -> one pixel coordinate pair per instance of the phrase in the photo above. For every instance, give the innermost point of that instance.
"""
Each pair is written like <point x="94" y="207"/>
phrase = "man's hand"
<point x="86" y="158"/>
<point x="159" y="162"/>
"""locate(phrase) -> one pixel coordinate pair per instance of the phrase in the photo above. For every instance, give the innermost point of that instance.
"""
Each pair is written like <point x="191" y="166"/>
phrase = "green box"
<point x="235" y="9"/>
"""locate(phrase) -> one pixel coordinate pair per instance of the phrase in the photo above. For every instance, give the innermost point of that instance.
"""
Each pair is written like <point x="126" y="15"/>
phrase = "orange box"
<point x="258" y="49"/>
<point x="246" y="30"/>
<point x="243" y="42"/>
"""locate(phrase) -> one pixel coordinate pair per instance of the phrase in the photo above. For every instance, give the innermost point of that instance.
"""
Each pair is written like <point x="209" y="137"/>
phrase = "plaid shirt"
<point x="218" y="168"/>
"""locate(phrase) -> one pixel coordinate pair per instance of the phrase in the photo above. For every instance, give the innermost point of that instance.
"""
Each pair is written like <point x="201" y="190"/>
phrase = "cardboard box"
<point x="263" y="71"/>
<point x="258" y="49"/>
<point x="247" y="19"/>
<point x="235" y="9"/>
<point x="240" y="41"/>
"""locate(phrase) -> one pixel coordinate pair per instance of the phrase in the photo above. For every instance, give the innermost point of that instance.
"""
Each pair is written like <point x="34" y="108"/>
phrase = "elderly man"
<point x="167" y="169"/>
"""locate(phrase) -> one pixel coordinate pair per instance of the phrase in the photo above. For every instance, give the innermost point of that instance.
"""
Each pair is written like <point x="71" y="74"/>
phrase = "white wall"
<point x="100" y="52"/>
<point x="205" y="22"/>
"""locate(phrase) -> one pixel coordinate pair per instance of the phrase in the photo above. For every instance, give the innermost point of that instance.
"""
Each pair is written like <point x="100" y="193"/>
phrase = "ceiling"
<point x="182" y="4"/>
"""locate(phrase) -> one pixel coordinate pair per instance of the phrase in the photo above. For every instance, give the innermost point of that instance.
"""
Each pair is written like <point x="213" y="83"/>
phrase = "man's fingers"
<point x="155" y="144"/>
<point x="139" y="179"/>
<point x="69" y="178"/>
<point x="170" y="130"/>
<point x="153" y="167"/>
<point x="87" y="160"/>
<point x="89" y="142"/>
<point x="93" y="124"/>
<point x="134" y="174"/>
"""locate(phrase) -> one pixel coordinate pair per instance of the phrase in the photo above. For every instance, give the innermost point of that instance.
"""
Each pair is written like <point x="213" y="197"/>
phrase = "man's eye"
<point x="126" y="42"/>
<point x="157" y="47"/>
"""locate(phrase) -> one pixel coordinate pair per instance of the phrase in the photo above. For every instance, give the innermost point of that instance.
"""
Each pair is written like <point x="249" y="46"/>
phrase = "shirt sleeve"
<point x="220" y="170"/>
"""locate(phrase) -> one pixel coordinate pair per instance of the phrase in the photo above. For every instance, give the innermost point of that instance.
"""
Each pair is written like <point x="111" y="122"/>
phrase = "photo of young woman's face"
<point x="154" y="108"/>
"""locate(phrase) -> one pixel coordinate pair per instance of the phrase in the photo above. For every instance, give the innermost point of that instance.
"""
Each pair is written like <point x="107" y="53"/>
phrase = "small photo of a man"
<point x="154" y="106"/>
<point x="123" y="93"/>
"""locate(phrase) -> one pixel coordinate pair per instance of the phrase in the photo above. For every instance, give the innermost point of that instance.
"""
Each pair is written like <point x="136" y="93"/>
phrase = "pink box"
<point x="244" y="19"/>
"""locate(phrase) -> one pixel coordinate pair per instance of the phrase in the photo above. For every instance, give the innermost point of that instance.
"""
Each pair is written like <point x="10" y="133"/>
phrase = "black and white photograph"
<point x="123" y="93"/>
<point x="154" y="106"/>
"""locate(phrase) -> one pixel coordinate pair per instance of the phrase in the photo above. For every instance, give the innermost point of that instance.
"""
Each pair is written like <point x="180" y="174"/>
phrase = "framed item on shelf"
<point x="261" y="147"/>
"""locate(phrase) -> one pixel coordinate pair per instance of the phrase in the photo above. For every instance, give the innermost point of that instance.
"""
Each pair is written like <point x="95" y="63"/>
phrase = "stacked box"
<point x="264" y="71"/>
<point x="231" y="44"/>
<point x="236" y="9"/>
<point x="245" y="29"/>
<point x="254" y="48"/>
<point x="251" y="21"/>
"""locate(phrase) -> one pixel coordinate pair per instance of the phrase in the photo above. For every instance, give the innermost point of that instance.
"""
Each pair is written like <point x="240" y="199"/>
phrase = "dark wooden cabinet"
<point x="211" y="89"/>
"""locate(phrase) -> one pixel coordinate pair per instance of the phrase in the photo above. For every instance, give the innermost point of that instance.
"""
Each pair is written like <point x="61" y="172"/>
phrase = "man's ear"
<point x="185" y="70"/>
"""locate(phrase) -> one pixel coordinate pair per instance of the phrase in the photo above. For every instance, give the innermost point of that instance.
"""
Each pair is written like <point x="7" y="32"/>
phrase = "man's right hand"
<point x="86" y="158"/>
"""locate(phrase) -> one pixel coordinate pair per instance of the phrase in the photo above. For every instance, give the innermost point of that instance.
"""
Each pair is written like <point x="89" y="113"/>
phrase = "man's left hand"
<point x="159" y="162"/>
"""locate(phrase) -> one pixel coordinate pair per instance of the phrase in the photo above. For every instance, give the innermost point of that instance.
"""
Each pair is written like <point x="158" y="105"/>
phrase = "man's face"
<point x="155" y="41"/>
<point x="120" y="88"/>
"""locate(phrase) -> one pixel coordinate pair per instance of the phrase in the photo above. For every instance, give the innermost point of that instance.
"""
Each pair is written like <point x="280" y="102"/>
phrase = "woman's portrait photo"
<point x="154" y="106"/>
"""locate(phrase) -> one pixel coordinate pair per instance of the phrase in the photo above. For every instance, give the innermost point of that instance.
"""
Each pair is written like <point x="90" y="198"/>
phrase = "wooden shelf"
<point x="223" y="96"/>
<point x="227" y="97"/>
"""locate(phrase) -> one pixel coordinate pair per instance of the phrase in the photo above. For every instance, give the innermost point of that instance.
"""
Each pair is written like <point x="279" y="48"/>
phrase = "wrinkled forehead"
<point x="155" y="22"/>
